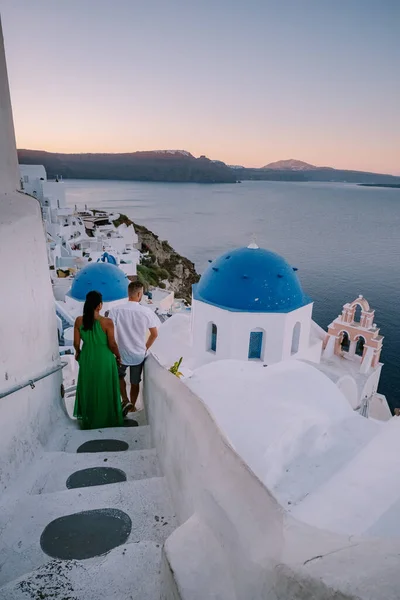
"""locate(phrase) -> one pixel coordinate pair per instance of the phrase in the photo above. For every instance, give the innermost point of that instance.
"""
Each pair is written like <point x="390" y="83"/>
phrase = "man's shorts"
<point x="135" y="372"/>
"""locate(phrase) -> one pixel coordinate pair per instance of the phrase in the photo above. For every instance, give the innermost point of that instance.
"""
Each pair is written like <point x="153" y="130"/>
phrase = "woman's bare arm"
<point x="77" y="337"/>
<point x="112" y="344"/>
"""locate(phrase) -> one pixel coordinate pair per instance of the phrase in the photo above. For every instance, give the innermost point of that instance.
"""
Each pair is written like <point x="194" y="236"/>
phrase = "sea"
<point x="343" y="238"/>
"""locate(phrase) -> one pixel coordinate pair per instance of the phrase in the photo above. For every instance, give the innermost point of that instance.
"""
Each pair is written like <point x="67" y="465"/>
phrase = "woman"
<point x="97" y="402"/>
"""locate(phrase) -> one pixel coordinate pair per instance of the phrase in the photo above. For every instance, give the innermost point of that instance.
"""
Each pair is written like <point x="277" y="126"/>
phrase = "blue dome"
<point x="251" y="280"/>
<point x="109" y="280"/>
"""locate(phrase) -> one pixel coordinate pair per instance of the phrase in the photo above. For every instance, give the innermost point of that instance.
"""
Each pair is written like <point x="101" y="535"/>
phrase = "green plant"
<point x="175" y="368"/>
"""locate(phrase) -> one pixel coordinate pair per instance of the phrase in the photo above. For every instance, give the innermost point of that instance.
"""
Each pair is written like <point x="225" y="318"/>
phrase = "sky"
<point x="246" y="82"/>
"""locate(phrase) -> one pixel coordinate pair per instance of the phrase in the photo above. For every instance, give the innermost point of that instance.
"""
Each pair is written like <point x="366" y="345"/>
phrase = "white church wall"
<point x="371" y="385"/>
<point x="302" y="316"/>
<point x="258" y="550"/>
<point x="379" y="408"/>
<point x="203" y="315"/>
<point x="348" y="386"/>
<point x="234" y="328"/>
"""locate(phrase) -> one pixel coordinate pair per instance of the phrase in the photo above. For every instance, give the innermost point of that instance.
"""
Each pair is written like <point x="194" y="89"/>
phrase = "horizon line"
<point x="196" y="157"/>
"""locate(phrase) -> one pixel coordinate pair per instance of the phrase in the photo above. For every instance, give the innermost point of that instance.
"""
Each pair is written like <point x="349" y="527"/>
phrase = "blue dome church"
<point x="103" y="277"/>
<point x="106" y="278"/>
<point x="249" y="305"/>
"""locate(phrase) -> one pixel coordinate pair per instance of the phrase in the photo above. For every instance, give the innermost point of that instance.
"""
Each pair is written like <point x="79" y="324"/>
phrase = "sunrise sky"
<point x="246" y="82"/>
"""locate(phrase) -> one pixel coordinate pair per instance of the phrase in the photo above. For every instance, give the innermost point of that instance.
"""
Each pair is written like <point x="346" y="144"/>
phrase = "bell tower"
<point x="354" y="336"/>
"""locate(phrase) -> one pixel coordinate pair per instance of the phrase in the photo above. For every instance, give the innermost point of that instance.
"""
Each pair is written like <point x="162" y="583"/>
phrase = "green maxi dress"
<point x="97" y="401"/>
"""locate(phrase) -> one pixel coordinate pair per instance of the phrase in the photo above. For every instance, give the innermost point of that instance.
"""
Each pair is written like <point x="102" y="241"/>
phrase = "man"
<point x="132" y="321"/>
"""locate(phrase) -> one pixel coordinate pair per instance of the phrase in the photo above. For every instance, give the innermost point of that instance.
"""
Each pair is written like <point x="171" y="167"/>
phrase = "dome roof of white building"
<point x="109" y="280"/>
<point x="289" y="422"/>
<point x="251" y="280"/>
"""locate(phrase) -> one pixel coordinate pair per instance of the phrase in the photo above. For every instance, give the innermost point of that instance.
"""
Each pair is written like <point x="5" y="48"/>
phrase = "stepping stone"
<point x="130" y="423"/>
<point x="86" y="534"/>
<point x="95" y="476"/>
<point x="103" y="446"/>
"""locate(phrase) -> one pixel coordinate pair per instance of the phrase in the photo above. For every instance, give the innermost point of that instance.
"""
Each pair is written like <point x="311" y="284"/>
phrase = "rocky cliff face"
<point x="162" y="266"/>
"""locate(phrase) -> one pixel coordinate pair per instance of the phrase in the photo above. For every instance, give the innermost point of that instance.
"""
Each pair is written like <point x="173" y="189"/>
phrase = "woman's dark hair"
<point x="93" y="299"/>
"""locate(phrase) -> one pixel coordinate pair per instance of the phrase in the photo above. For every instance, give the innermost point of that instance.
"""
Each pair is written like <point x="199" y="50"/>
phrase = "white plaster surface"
<point x="9" y="173"/>
<point x="28" y="418"/>
<point x="261" y="550"/>
<point x="356" y="498"/>
<point x="325" y="463"/>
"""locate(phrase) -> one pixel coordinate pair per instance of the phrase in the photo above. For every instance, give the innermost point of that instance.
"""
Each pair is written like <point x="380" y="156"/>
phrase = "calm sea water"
<point x="343" y="238"/>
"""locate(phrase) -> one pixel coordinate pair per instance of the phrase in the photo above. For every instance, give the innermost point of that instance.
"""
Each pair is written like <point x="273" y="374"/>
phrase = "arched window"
<point x="357" y="314"/>
<point x="256" y="344"/>
<point x="296" y="338"/>
<point x="212" y="344"/>
<point x="360" y="346"/>
<point x="345" y="342"/>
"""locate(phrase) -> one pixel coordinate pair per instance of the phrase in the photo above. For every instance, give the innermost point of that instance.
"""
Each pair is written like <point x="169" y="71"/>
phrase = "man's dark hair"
<point x="134" y="287"/>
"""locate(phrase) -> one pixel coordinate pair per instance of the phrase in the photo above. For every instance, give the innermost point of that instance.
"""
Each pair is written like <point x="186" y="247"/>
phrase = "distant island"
<point x="180" y="166"/>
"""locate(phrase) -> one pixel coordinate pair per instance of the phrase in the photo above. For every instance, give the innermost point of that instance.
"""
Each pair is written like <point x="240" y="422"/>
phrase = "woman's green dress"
<point x="97" y="401"/>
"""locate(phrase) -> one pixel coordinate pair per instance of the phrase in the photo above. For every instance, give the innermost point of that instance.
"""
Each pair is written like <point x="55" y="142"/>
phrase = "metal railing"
<point x="31" y="382"/>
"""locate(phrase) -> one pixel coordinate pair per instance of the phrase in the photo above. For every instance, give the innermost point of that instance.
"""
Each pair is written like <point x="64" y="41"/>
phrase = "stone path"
<point x="45" y="556"/>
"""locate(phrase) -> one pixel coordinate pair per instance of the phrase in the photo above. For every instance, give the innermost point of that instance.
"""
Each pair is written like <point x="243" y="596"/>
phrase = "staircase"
<point x="40" y="559"/>
<point x="66" y="320"/>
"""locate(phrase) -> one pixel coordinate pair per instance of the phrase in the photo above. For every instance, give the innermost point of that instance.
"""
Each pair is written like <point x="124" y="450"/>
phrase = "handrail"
<point x="32" y="381"/>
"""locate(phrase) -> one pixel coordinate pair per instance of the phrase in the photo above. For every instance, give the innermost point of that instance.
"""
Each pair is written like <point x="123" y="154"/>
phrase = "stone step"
<point x="129" y="572"/>
<point x="51" y="472"/>
<point x="137" y="438"/>
<point x="146" y="502"/>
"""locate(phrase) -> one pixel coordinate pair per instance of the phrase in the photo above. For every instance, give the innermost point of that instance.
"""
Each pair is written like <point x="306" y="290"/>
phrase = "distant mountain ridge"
<point x="290" y="164"/>
<point x="182" y="166"/>
<point x="157" y="165"/>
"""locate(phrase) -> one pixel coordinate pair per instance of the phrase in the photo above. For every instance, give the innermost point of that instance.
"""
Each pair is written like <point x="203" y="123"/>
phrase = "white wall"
<point x="27" y="419"/>
<point x="348" y="387"/>
<point x="234" y="333"/>
<point x="55" y="192"/>
<point x="9" y="171"/>
<point x="28" y="327"/>
<point x="28" y="330"/>
<point x="235" y="542"/>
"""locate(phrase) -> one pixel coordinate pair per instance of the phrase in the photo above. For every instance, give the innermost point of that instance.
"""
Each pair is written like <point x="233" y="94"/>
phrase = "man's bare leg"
<point x="134" y="394"/>
<point x="122" y="386"/>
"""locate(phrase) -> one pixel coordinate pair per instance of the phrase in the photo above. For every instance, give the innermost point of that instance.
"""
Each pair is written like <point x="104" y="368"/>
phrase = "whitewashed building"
<point x="249" y="306"/>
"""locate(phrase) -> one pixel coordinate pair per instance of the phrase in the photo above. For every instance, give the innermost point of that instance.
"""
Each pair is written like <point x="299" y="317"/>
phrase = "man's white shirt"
<point x="131" y="322"/>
